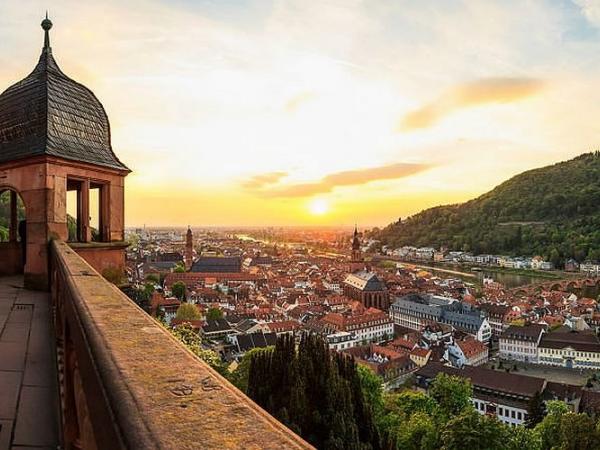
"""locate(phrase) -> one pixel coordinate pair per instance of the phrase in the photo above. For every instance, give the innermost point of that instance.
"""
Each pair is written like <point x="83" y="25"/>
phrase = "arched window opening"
<point x="13" y="231"/>
<point x="12" y="212"/>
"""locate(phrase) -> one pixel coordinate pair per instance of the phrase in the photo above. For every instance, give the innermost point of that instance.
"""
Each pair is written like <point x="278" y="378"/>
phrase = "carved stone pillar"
<point x="12" y="237"/>
<point x="86" y="232"/>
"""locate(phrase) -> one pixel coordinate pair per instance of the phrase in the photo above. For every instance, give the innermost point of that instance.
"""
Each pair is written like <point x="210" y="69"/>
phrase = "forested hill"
<point x="553" y="211"/>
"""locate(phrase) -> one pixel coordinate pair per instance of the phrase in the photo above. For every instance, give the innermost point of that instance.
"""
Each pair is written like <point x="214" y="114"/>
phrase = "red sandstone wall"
<point x="42" y="184"/>
<point x="103" y="258"/>
<point x="10" y="258"/>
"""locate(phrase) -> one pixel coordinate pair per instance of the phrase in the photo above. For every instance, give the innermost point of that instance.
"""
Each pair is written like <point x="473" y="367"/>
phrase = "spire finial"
<point x="46" y="26"/>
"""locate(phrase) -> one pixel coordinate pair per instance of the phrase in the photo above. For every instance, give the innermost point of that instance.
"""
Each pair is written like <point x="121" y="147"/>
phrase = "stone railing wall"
<point x="127" y="383"/>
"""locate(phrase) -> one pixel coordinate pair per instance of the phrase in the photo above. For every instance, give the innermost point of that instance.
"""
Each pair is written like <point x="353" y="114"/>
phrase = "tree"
<point x="536" y="410"/>
<point x="190" y="338"/>
<point x="371" y="387"/>
<point x="239" y="377"/>
<point x="214" y="314"/>
<point x="452" y="393"/>
<point x="472" y="431"/>
<point x="522" y="438"/>
<point x="179" y="289"/>
<point x="179" y="268"/>
<point x="410" y="402"/>
<point x="578" y="432"/>
<point x="315" y="392"/>
<point x="152" y="277"/>
<point x="148" y="290"/>
<point x="419" y="432"/>
<point x="187" y="311"/>
<point x="549" y="428"/>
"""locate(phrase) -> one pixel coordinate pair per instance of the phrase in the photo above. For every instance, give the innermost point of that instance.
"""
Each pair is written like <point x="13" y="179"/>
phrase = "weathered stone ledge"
<point x="149" y="390"/>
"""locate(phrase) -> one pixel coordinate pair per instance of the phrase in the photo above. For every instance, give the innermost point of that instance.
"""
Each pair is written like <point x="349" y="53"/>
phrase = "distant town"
<point x="403" y="321"/>
<point x="429" y="254"/>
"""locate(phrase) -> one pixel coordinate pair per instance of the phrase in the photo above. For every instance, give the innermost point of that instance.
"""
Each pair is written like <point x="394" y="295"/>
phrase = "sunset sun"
<point x="318" y="207"/>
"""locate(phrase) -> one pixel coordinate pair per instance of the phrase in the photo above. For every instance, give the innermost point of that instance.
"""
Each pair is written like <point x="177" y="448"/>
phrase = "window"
<point x="87" y="211"/>
<point x="512" y="414"/>
<point x="74" y="211"/>
<point x="96" y="212"/>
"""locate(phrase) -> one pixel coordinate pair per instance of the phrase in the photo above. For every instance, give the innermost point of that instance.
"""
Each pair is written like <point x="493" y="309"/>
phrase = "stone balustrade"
<point x="126" y="382"/>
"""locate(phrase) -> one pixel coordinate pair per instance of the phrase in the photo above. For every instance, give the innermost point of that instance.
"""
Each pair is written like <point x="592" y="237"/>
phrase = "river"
<point x="509" y="280"/>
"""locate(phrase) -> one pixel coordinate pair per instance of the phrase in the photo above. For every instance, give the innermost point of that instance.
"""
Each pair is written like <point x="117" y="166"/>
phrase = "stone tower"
<point x="356" y="260"/>
<point x="189" y="249"/>
<point x="55" y="144"/>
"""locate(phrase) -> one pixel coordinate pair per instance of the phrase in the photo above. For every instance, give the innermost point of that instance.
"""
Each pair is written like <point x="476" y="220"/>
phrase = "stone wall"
<point x="126" y="382"/>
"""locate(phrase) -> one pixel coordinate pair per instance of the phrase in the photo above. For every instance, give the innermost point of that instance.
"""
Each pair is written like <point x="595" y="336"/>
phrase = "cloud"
<point x="296" y="101"/>
<point x="263" y="180"/>
<point x="479" y="92"/>
<point x="345" y="178"/>
<point x="590" y="9"/>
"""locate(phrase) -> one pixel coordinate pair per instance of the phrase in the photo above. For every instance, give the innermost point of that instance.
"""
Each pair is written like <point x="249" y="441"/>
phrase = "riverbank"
<point x="467" y="269"/>
<point x="510" y="278"/>
<point x="550" y="275"/>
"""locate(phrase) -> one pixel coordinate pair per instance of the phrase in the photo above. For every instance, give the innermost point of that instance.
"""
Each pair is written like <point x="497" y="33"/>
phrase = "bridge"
<point x="571" y="285"/>
<point x="84" y="367"/>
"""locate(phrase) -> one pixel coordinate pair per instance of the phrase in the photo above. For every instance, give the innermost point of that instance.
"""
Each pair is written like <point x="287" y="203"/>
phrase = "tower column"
<point x="12" y="236"/>
<point x="84" y="216"/>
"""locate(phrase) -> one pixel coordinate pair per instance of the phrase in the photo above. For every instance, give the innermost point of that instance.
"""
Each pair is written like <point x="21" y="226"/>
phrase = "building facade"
<point x="570" y="349"/>
<point x="505" y="396"/>
<point x="521" y="343"/>
<point x="372" y="326"/>
<point x="368" y="289"/>
<point x="416" y="311"/>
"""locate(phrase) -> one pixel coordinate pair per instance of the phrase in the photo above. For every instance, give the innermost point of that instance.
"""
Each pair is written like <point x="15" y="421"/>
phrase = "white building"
<point x="468" y="352"/>
<point x="341" y="340"/>
<point x="570" y="349"/>
<point x="372" y="326"/>
<point x="495" y="393"/>
<point x="591" y="268"/>
<point x="521" y="343"/>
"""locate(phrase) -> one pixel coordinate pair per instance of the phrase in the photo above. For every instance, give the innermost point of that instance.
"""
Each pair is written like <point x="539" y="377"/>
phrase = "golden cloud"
<point x="345" y="178"/>
<point x="479" y="92"/>
<point x="262" y="180"/>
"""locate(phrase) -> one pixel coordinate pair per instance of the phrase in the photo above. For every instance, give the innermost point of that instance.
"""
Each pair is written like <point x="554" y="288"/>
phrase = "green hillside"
<point x="553" y="211"/>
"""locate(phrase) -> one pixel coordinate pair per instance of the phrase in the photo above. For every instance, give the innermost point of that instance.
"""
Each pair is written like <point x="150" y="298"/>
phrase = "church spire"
<point x="46" y="26"/>
<point x="355" y="240"/>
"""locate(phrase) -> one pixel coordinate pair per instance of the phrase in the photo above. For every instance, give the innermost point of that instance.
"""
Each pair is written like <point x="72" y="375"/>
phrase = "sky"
<point x="329" y="112"/>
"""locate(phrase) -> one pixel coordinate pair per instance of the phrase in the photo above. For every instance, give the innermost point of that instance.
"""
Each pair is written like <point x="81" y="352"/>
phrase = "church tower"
<point x="189" y="249"/>
<point x="55" y="154"/>
<point x="356" y="260"/>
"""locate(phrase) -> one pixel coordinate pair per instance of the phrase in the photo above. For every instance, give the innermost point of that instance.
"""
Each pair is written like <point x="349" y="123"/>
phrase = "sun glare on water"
<point x="318" y="207"/>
